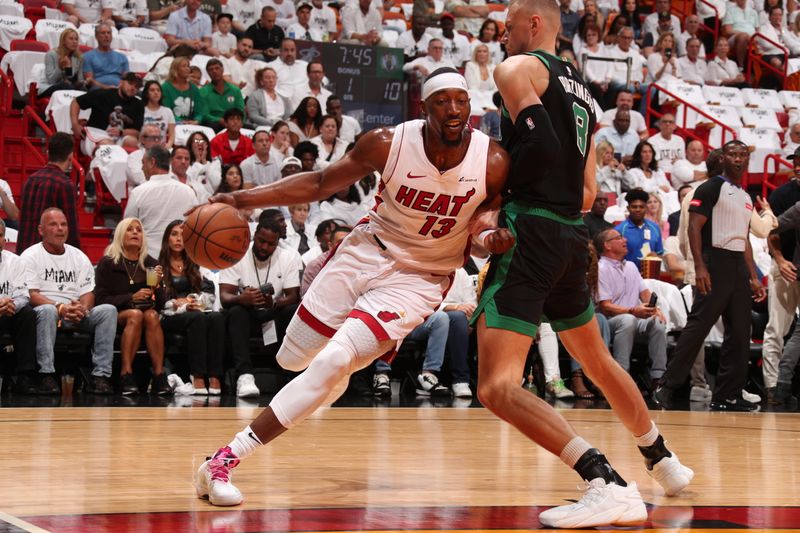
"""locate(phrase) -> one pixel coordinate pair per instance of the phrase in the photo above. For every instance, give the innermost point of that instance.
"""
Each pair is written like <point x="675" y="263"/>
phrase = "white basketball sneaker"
<point x="213" y="479"/>
<point x="601" y="505"/>
<point x="671" y="474"/>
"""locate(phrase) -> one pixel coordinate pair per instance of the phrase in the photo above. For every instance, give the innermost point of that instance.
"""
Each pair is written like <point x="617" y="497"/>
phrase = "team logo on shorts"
<point x="529" y="122"/>
<point x="388" y="316"/>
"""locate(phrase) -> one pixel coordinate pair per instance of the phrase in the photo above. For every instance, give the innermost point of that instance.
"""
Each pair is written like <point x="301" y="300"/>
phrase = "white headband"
<point x="440" y="82"/>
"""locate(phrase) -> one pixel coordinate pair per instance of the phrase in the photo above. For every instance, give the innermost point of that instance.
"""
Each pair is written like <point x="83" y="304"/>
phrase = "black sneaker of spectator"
<point x="128" y="385"/>
<point x="99" y="385"/>
<point x="160" y="385"/>
<point x="48" y="385"/>
<point x="663" y="398"/>
<point x="735" y="404"/>
<point x="25" y="384"/>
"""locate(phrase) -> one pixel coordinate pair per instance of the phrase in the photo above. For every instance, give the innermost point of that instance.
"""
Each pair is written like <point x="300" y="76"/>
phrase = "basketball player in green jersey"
<point x="547" y="126"/>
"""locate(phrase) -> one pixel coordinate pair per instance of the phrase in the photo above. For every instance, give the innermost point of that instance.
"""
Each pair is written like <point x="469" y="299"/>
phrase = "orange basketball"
<point x="216" y="236"/>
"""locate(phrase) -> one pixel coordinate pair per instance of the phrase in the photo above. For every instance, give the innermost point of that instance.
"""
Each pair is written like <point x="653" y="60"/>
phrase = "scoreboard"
<point x="368" y="79"/>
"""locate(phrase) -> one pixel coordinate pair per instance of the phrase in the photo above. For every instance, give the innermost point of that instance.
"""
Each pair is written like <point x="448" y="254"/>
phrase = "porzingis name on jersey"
<point x="429" y="202"/>
<point x="577" y="89"/>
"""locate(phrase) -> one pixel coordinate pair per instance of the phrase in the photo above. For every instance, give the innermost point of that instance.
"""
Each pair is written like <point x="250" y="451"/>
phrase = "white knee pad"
<point x="300" y="345"/>
<point x="353" y="347"/>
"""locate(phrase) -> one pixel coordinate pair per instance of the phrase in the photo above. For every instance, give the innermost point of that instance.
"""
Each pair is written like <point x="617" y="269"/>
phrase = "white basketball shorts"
<point x="363" y="281"/>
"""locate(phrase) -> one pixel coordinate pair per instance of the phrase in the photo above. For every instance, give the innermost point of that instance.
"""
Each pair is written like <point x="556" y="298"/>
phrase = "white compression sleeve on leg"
<point x="353" y="347"/>
<point x="300" y="345"/>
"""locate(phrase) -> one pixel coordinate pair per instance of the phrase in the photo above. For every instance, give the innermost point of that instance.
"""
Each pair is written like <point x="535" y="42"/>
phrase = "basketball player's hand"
<point x="222" y="198"/>
<point x="499" y="241"/>
<point x="7" y="307"/>
<point x="788" y="270"/>
<point x="759" y="292"/>
<point x="702" y="280"/>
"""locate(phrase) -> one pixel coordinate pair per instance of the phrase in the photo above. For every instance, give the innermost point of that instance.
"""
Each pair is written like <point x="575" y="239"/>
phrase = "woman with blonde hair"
<point x="655" y="212"/>
<point x="181" y="95"/>
<point x="609" y="170"/>
<point x="63" y="65"/>
<point x="265" y="106"/>
<point x="121" y="279"/>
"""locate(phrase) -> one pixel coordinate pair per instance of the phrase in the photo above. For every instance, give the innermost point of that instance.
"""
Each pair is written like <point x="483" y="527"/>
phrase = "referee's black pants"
<point x="730" y="297"/>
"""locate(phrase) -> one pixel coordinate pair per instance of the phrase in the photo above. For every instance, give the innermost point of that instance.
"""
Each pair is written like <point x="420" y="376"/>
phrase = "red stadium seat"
<point x="29" y="46"/>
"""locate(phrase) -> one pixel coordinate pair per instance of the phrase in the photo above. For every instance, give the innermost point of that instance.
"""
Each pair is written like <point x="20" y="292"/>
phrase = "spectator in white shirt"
<point x="644" y="172"/>
<point x="302" y="29"/>
<point x="7" y="204"/>
<point x="245" y="13"/>
<point x="693" y="67"/>
<point x="595" y="72"/>
<point x="260" y="168"/>
<point x="668" y="147"/>
<point x="651" y="21"/>
<point x="149" y="136"/>
<point x="469" y="14"/>
<point x="625" y="101"/>
<point x="741" y="22"/>
<point x="792" y="140"/>
<point x="349" y="128"/>
<point x="776" y="32"/>
<point x="316" y="73"/>
<point x="291" y="71"/>
<point x="693" y="168"/>
<point x="662" y="64"/>
<point x="724" y="71"/>
<point x="87" y="11"/>
<point x="456" y="46"/>
<point x="489" y="34"/>
<point x="240" y="70"/>
<point x="331" y="147"/>
<point x="479" y="72"/>
<point x="414" y="42"/>
<point x="618" y="72"/>
<point x="265" y="106"/>
<point x="160" y="200"/>
<point x="434" y="60"/>
<point x="691" y="29"/>
<point x="129" y="13"/>
<point x="223" y="40"/>
<point x="362" y="23"/>
<point x="323" y="18"/>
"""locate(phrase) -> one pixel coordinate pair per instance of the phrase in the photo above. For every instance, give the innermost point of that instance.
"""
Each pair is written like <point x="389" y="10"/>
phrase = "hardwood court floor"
<point x="379" y="469"/>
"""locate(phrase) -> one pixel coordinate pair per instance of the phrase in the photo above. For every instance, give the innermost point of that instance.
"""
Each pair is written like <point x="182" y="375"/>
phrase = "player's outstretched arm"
<point x="369" y="154"/>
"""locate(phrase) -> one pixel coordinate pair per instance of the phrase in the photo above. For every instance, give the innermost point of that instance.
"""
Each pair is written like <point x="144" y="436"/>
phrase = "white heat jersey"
<point x="421" y="215"/>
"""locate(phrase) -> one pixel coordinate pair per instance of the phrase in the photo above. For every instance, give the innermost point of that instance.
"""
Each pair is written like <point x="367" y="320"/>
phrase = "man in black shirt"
<point x="719" y="228"/>
<point x="266" y="35"/>
<point x="116" y="113"/>
<point x="595" y="219"/>
<point x="784" y="291"/>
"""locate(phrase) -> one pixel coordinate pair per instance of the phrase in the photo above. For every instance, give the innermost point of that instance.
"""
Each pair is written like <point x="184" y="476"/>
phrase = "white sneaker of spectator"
<point x="750" y="397"/>
<point x="462" y="390"/>
<point x="700" y="394"/>
<point x="246" y="387"/>
<point x="557" y="389"/>
<point x="429" y="385"/>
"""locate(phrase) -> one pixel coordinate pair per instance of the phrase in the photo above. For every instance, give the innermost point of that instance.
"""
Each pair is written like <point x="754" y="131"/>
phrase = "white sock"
<point x="649" y="438"/>
<point x="573" y="451"/>
<point x="244" y="443"/>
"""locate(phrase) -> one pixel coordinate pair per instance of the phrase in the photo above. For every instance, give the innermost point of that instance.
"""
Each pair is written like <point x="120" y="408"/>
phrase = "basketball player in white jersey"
<point x="389" y="273"/>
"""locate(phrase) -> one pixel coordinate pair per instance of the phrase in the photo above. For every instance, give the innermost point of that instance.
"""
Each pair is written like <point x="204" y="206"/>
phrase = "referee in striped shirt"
<point x="726" y="282"/>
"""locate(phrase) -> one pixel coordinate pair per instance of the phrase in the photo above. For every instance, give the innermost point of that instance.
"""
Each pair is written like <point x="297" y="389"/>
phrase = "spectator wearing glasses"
<point x="149" y="137"/>
<point x="429" y="63"/>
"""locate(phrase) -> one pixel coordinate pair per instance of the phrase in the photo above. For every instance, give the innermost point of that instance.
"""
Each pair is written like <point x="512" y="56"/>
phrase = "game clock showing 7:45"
<point x="368" y="79"/>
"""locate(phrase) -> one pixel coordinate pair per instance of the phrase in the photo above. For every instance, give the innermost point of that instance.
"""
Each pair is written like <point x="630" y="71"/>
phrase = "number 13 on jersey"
<point x="445" y="225"/>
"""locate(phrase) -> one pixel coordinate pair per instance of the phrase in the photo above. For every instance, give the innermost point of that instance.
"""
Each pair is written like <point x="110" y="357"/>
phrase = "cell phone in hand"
<point x="653" y="300"/>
